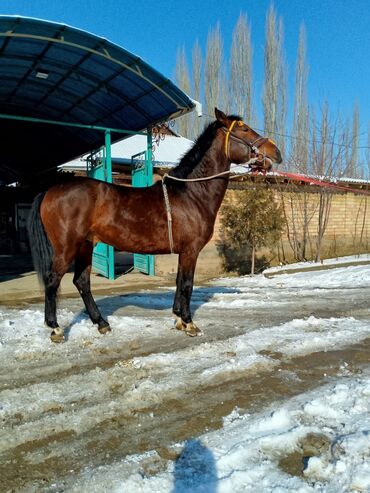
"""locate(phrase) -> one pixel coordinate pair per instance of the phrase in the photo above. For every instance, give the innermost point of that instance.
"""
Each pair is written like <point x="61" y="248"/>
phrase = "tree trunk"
<point x="253" y="259"/>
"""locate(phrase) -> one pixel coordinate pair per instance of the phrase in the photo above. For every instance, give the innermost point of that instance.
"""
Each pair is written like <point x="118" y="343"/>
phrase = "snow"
<point x="334" y="262"/>
<point x="254" y="324"/>
<point x="169" y="151"/>
<point x="245" y="454"/>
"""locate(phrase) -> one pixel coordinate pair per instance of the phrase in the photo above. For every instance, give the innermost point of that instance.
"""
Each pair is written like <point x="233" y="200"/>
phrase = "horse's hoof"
<point x="192" y="330"/>
<point x="179" y="324"/>
<point x="57" y="335"/>
<point x="104" y="329"/>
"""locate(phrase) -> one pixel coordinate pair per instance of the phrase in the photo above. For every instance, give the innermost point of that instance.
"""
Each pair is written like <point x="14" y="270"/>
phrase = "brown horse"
<point x="67" y="220"/>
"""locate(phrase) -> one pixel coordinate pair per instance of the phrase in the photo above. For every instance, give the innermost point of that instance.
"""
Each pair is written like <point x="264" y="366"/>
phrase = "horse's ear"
<point x="221" y="117"/>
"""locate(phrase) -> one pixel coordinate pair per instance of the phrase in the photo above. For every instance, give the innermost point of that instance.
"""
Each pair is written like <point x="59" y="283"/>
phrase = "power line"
<point x="309" y="141"/>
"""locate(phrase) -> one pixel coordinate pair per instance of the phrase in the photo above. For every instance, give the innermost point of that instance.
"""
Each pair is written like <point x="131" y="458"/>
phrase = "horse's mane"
<point x="194" y="156"/>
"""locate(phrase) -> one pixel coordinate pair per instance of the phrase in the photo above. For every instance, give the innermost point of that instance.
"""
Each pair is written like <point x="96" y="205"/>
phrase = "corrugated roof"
<point x="57" y="72"/>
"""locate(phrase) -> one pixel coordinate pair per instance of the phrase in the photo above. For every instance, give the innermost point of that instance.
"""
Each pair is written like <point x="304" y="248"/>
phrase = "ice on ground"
<point x="318" y="441"/>
<point x="248" y="454"/>
<point x="332" y="262"/>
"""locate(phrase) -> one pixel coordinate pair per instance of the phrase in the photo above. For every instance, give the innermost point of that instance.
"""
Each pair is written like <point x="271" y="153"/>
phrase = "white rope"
<point x="167" y="200"/>
<point x="251" y="161"/>
<point x="169" y="215"/>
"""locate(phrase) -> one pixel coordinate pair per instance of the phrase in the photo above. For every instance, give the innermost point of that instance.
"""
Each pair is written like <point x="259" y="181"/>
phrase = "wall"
<point x="348" y="227"/>
<point x="347" y="231"/>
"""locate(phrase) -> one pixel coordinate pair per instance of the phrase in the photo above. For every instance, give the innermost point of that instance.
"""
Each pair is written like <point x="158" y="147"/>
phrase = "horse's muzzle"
<point x="262" y="166"/>
<point x="278" y="159"/>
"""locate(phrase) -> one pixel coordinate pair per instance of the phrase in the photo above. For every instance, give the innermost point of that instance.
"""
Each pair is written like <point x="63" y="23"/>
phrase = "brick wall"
<point x="347" y="232"/>
<point x="348" y="227"/>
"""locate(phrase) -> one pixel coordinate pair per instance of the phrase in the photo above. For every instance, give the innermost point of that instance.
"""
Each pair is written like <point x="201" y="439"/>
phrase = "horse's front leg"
<point x="81" y="280"/>
<point x="184" y="290"/>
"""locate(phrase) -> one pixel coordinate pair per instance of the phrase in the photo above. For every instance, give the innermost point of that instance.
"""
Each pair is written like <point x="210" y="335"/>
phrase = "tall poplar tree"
<point x="299" y="213"/>
<point x="197" y="62"/>
<point x="183" y="81"/>
<point x="354" y="167"/>
<point x="241" y="69"/>
<point x="213" y="70"/>
<point x="274" y="98"/>
<point x="299" y="145"/>
<point x="326" y="157"/>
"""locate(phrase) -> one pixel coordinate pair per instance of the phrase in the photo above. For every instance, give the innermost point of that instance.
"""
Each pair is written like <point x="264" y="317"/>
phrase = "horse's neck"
<point x="211" y="192"/>
<point x="213" y="162"/>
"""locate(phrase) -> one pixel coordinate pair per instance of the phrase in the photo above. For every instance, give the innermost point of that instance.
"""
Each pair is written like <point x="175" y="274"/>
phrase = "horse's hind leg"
<point x="184" y="290"/>
<point x="52" y="278"/>
<point x="52" y="282"/>
<point x="81" y="280"/>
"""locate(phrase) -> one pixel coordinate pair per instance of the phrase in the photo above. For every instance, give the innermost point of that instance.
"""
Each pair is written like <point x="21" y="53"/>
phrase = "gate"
<point x="99" y="167"/>
<point x="142" y="176"/>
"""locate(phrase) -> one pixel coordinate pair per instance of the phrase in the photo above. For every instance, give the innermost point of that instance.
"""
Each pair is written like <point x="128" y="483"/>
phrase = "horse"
<point x="176" y="215"/>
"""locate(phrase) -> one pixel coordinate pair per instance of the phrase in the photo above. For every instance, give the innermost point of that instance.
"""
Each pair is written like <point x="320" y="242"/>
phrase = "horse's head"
<point x="242" y="143"/>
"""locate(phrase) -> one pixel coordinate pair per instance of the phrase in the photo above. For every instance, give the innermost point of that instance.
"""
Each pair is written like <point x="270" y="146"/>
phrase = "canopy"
<point x="52" y="71"/>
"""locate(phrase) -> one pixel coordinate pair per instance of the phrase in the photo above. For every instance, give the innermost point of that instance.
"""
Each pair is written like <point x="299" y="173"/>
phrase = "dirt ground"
<point x="119" y="407"/>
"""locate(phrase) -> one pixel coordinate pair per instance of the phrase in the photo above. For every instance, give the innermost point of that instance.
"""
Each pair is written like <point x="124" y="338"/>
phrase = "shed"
<point x="60" y="87"/>
<point x="65" y="92"/>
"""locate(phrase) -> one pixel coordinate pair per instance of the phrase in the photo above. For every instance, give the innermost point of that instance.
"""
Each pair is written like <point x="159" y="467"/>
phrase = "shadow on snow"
<point x="152" y="300"/>
<point x="195" y="469"/>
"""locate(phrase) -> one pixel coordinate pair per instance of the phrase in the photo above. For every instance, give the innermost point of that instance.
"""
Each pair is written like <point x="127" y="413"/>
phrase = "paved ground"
<point x="26" y="288"/>
<point x="71" y="408"/>
<point x="19" y="283"/>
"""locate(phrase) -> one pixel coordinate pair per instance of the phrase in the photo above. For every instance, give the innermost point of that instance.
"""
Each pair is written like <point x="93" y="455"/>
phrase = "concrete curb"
<point x="25" y="288"/>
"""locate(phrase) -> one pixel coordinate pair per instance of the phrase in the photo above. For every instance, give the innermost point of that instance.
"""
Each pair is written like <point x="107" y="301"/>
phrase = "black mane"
<point x="194" y="156"/>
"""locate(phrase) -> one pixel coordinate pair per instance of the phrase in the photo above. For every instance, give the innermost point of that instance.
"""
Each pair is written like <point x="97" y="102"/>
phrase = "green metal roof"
<point x="56" y="72"/>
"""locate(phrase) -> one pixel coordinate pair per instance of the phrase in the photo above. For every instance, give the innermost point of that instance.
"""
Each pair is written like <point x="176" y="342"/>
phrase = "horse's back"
<point x="81" y="192"/>
<point x="68" y="208"/>
<point x="85" y="208"/>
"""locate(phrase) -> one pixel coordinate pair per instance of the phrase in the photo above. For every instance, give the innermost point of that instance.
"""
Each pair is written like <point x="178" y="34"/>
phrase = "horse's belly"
<point x="135" y="238"/>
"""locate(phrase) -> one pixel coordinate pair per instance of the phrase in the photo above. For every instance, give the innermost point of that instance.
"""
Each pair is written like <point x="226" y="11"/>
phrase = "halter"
<point x="254" y="146"/>
<point x="227" y="143"/>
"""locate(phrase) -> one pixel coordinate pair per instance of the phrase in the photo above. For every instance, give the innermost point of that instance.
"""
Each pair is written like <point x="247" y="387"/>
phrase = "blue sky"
<point x="338" y="36"/>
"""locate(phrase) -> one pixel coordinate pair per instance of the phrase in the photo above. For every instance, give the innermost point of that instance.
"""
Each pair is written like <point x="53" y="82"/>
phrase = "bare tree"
<point x="346" y="154"/>
<point x="367" y="154"/>
<point x="183" y="81"/>
<point x="298" y="207"/>
<point x="353" y="162"/>
<point x="224" y="98"/>
<point x="326" y="156"/>
<point x="363" y="237"/>
<point x="241" y="69"/>
<point x="274" y="97"/>
<point x="300" y="146"/>
<point x="349" y="139"/>
<point x="197" y="63"/>
<point x="213" y="69"/>
<point x="283" y="93"/>
<point x="299" y="211"/>
<point x="358" y="171"/>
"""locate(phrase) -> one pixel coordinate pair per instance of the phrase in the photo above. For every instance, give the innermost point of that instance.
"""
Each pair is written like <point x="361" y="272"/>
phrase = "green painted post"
<point x="149" y="157"/>
<point x="108" y="157"/>
<point x="109" y="179"/>
<point x="149" y="174"/>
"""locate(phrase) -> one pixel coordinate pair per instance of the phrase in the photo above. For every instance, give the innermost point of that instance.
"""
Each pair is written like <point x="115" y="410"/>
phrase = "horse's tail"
<point x="41" y="249"/>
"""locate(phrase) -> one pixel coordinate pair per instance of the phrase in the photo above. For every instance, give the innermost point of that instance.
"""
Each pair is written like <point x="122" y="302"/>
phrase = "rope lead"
<point x="167" y="200"/>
